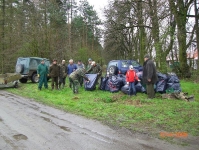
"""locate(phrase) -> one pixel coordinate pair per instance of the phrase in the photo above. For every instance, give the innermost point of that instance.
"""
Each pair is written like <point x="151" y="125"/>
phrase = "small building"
<point x="192" y="57"/>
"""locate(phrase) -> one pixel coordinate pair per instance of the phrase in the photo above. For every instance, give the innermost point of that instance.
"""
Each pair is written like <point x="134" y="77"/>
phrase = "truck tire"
<point x="113" y="70"/>
<point x="16" y="85"/>
<point x="19" y="68"/>
<point x="23" y="80"/>
<point x="34" y="78"/>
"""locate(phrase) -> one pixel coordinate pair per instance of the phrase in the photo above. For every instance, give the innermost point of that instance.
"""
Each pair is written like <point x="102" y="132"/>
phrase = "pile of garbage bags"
<point x="167" y="83"/>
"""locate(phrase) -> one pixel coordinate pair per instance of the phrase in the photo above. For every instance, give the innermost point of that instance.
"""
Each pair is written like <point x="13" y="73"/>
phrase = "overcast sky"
<point x="98" y="6"/>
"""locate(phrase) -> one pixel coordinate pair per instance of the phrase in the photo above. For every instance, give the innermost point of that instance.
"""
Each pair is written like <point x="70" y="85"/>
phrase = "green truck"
<point x="27" y="67"/>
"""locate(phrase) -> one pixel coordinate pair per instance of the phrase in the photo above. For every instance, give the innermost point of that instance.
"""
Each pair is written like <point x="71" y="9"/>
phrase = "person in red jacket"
<point x="131" y="77"/>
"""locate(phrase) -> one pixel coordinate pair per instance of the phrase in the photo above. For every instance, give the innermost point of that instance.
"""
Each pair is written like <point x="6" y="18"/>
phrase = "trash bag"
<point x="103" y="83"/>
<point x="174" y="86"/>
<point x="122" y="77"/>
<point x="161" y="86"/>
<point x="173" y="83"/>
<point x="125" y="89"/>
<point x="90" y="86"/>
<point x="173" y="79"/>
<point x="162" y="76"/>
<point x="113" y="84"/>
<point x="140" y="88"/>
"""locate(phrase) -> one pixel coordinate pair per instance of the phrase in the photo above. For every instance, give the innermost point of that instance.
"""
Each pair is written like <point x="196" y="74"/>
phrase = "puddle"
<point x="64" y="128"/>
<point x="20" y="137"/>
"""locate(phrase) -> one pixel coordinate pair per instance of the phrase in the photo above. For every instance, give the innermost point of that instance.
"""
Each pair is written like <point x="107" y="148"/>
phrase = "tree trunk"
<point x="3" y="36"/>
<point x="160" y="61"/>
<point x="197" y="29"/>
<point x="141" y="33"/>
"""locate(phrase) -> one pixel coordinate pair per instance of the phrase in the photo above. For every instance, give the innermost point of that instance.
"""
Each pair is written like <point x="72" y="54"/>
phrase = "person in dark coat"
<point x="63" y="74"/>
<point x="42" y="73"/>
<point x="149" y="76"/>
<point x="54" y="73"/>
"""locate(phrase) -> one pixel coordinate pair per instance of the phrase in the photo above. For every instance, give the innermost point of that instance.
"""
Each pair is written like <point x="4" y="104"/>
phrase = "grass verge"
<point x="119" y="110"/>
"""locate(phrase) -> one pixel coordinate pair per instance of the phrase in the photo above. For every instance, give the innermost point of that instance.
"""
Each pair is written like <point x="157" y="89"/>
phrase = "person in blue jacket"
<point x="71" y="68"/>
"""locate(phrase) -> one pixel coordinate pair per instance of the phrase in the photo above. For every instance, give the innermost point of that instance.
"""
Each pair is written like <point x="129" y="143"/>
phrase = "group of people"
<point x="59" y="72"/>
<point x="76" y="74"/>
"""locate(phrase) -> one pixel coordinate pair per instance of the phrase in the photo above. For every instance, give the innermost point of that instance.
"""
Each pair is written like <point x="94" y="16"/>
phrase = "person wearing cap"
<point x="42" y="73"/>
<point x="63" y="74"/>
<point x="74" y="78"/>
<point x="131" y="77"/>
<point x="149" y="76"/>
<point x="54" y="73"/>
<point x="89" y="64"/>
<point x="95" y="69"/>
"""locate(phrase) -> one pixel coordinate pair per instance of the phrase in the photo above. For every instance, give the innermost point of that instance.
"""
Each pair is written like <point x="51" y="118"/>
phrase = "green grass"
<point x="118" y="110"/>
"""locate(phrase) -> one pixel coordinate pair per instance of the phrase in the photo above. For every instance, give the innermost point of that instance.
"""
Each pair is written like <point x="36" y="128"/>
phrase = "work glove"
<point x="127" y="83"/>
<point x="38" y="75"/>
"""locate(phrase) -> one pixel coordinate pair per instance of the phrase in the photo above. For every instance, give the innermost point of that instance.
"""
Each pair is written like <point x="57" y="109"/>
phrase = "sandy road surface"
<point x="25" y="124"/>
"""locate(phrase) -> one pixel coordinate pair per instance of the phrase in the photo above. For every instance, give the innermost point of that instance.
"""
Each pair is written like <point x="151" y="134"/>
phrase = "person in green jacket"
<point x="42" y="73"/>
<point x="74" y="78"/>
<point x="95" y="69"/>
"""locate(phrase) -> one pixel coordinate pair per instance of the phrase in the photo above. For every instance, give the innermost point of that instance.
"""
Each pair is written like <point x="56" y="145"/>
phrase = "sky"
<point x="98" y="6"/>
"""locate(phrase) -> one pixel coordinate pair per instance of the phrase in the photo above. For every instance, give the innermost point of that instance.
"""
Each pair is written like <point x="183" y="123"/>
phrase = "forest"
<point x="166" y="29"/>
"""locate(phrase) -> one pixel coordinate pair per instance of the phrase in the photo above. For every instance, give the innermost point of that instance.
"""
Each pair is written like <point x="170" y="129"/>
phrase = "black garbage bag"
<point x="140" y="88"/>
<point x="122" y="77"/>
<point x="125" y="89"/>
<point x="162" y="76"/>
<point x="91" y="85"/>
<point x="173" y="79"/>
<point x="113" y="84"/>
<point x="103" y="83"/>
<point x="173" y="83"/>
<point x="174" y="87"/>
<point x="161" y="86"/>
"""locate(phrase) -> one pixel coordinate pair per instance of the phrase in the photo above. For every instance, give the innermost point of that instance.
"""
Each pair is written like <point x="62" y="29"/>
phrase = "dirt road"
<point x="26" y="124"/>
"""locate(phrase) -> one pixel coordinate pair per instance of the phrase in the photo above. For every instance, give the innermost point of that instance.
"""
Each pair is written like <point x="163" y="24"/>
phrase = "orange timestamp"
<point x="174" y="134"/>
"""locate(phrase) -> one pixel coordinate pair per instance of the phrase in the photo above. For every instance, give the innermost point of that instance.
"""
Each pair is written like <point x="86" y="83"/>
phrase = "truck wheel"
<point x="23" y="80"/>
<point x="19" y="68"/>
<point x="113" y="70"/>
<point x="35" y="78"/>
<point x="16" y="85"/>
